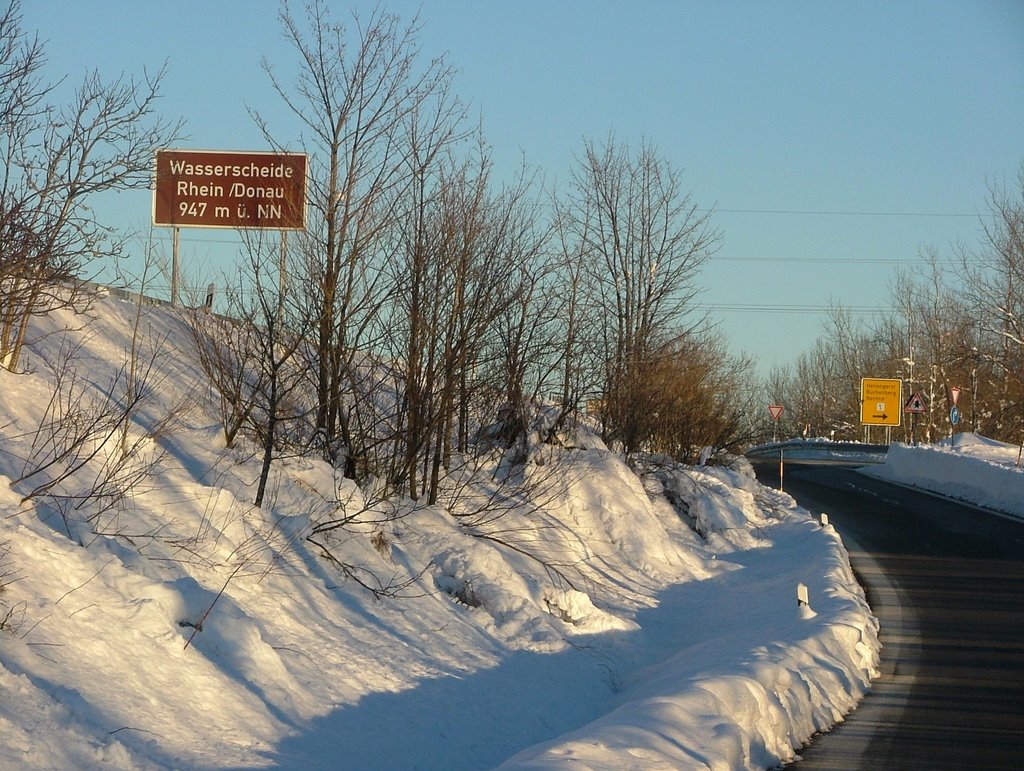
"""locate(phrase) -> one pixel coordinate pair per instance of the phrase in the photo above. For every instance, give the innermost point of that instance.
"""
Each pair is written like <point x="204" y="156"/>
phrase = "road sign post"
<point x="916" y="405"/>
<point x="782" y="468"/>
<point x="881" y="400"/>
<point x="229" y="189"/>
<point x="954" y="412"/>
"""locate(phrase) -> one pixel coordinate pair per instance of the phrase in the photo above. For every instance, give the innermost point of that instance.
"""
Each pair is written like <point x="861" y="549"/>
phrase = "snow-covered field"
<point x="631" y="619"/>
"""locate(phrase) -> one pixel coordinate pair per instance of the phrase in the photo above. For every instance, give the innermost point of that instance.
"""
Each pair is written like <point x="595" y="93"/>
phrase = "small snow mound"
<point x="968" y="439"/>
<point x="577" y="608"/>
<point x="807" y="613"/>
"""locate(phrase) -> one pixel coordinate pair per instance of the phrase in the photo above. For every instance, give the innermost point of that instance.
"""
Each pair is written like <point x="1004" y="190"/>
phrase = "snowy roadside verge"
<point x="968" y="468"/>
<point x="664" y="595"/>
<point x="760" y="676"/>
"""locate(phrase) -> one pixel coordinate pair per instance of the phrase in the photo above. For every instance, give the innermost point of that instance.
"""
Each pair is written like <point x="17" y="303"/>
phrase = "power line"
<point x="833" y="260"/>
<point x="796" y="309"/>
<point x="774" y="212"/>
<point x="841" y="213"/>
<point x="775" y="308"/>
<point x="190" y="240"/>
<point x="716" y="258"/>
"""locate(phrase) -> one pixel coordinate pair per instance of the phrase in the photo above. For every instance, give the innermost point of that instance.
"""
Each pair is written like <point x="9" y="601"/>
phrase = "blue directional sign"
<point x="954" y="416"/>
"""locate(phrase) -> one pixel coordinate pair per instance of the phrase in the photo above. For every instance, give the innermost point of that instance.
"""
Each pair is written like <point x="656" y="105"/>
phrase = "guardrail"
<point x="821" y="451"/>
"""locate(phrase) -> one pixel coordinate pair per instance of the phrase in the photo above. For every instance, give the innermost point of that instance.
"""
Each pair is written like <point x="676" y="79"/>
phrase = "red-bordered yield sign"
<point x="233" y="189"/>
<point x="775" y="410"/>
<point x="881" y="401"/>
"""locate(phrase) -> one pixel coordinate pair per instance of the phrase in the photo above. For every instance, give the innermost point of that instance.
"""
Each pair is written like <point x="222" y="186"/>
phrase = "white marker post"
<point x="802" y="596"/>
<point x="782" y="465"/>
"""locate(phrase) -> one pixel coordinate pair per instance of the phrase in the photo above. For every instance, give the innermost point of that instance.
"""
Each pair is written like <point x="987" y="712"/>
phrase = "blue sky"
<point x="836" y="141"/>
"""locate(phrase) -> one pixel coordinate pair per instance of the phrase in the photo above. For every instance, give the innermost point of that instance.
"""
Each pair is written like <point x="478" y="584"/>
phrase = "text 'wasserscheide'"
<point x="241" y="189"/>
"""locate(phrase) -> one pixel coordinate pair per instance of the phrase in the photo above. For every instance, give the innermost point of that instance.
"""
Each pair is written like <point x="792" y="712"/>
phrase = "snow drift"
<point x="967" y="467"/>
<point x="615" y="617"/>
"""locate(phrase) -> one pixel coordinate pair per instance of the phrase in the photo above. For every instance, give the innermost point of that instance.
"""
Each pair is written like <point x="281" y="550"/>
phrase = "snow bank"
<point x="966" y="467"/>
<point x="186" y="628"/>
<point x="762" y="676"/>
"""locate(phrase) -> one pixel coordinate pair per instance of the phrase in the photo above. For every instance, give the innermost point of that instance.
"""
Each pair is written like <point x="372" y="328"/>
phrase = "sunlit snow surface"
<point x="967" y="467"/>
<point x="669" y="649"/>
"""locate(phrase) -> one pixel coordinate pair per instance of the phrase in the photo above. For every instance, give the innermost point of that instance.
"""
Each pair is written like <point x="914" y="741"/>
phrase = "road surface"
<point x="947" y="584"/>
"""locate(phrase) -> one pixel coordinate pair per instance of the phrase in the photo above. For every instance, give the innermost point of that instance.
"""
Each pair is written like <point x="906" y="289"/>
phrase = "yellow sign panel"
<point x="881" y="401"/>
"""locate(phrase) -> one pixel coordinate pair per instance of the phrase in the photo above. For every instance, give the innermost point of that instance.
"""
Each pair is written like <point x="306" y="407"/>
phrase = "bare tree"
<point x="93" y="449"/>
<point x="577" y="315"/>
<point x="357" y="90"/>
<point x="54" y="159"/>
<point x="995" y="280"/>
<point x="939" y="331"/>
<point x="701" y="398"/>
<point x="644" y="241"/>
<point x="462" y="263"/>
<point x="251" y="356"/>
<point x="223" y="346"/>
<point x="499" y="320"/>
<point x="282" y="325"/>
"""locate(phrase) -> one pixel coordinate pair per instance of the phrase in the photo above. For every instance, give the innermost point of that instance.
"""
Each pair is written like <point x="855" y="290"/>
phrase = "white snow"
<point x="967" y="467"/>
<point x="646" y="618"/>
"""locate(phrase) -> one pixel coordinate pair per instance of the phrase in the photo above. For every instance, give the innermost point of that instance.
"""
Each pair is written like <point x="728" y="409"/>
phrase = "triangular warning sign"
<point x="916" y="404"/>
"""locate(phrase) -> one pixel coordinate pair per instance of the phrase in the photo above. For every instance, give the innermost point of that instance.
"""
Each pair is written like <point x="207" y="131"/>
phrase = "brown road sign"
<point x="881" y="401"/>
<point x="234" y="189"/>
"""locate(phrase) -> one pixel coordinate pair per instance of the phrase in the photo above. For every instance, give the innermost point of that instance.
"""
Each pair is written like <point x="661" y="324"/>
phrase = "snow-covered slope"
<point x="177" y="626"/>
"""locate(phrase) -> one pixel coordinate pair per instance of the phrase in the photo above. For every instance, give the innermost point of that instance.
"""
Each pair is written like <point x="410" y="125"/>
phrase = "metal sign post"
<point x="175" y="267"/>
<point x="229" y="189"/>
<point x="916" y="405"/>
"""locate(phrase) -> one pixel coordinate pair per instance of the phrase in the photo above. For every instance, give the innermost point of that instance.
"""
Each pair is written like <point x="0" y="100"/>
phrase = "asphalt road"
<point x="947" y="584"/>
